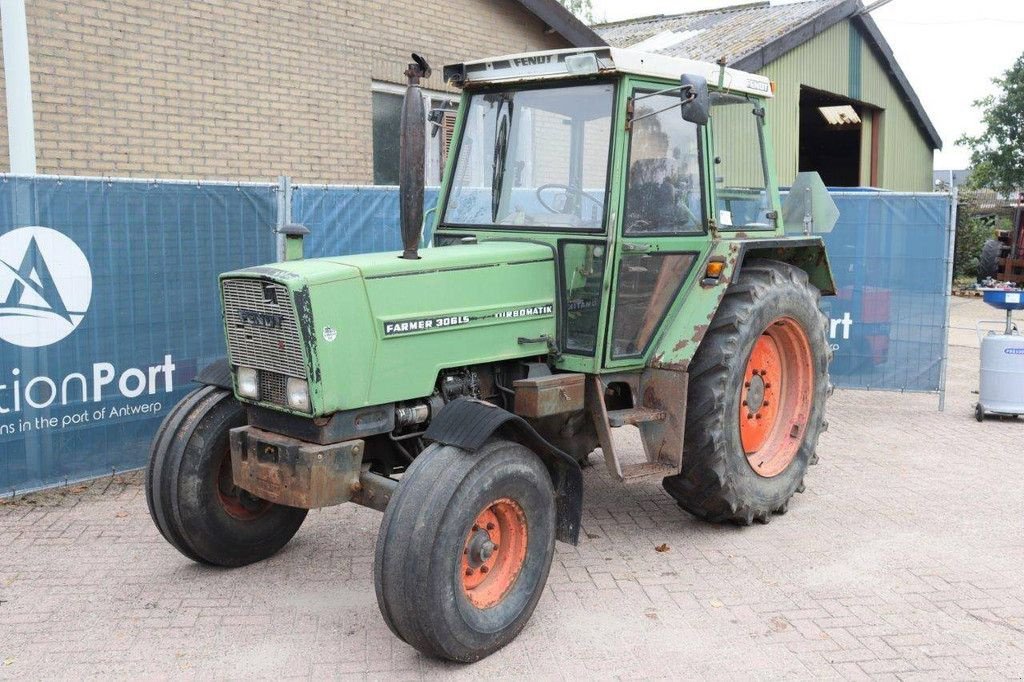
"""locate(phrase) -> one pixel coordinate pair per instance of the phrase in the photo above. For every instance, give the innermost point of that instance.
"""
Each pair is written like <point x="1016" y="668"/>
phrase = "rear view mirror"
<point x="696" y="103"/>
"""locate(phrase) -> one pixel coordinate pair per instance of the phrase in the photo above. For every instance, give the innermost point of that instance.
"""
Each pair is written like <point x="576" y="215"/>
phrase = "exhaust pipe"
<point x="410" y="159"/>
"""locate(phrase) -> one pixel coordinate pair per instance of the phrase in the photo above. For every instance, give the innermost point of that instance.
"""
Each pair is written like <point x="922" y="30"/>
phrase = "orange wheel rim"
<point x="775" y="401"/>
<point x="494" y="553"/>
<point x="238" y="503"/>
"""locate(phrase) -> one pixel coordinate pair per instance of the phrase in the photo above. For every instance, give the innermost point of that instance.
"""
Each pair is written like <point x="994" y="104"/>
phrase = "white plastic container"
<point x="1002" y="375"/>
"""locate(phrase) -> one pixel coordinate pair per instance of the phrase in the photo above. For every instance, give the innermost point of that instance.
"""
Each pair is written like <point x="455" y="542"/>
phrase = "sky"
<point x="950" y="51"/>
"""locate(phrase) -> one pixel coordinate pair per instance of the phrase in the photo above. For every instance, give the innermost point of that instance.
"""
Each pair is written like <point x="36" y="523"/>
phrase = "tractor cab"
<point x="630" y="166"/>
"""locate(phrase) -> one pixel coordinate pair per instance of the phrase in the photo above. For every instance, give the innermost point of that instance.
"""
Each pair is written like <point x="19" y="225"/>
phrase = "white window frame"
<point x="432" y="161"/>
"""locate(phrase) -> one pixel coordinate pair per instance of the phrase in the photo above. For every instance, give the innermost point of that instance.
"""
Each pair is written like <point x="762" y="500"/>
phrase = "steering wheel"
<point x="568" y="190"/>
<point x="690" y="215"/>
<point x="640" y="225"/>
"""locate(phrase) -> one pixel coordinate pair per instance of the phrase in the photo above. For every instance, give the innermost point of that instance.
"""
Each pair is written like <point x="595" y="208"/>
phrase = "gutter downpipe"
<point x="21" y="134"/>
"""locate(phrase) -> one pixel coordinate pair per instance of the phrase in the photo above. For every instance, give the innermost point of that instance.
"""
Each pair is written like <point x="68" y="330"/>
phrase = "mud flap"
<point x="217" y="373"/>
<point x="467" y="423"/>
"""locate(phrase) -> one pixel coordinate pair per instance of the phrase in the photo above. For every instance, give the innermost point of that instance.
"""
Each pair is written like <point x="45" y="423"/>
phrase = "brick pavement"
<point x="903" y="559"/>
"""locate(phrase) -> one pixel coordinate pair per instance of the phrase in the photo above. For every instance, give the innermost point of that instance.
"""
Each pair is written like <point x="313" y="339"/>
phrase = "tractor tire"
<point x="191" y="494"/>
<point x="988" y="261"/>
<point x="756" y="398"/>
<point x="464" y="549"/>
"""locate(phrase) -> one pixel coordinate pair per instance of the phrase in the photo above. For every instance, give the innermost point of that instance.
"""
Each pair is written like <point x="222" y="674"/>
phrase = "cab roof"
<point x="576" y="62"/>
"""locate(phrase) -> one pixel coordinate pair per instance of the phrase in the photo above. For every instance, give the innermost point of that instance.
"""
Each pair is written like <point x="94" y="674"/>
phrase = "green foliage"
<point x="970" y="238"/>
<point x="581" y="8"/>
<point x="971" y="234"/>
<point x="997" y="154"/>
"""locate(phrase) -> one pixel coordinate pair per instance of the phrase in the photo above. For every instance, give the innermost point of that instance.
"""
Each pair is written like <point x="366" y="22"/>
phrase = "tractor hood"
<point x="375" y="328"/>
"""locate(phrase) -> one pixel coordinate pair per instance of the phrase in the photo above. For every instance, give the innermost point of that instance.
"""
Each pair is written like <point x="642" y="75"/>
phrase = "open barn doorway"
<point x="830" y="137"/>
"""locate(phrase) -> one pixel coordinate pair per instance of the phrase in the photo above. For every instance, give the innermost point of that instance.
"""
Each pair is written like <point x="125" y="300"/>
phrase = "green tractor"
<point x="609" y="251"/>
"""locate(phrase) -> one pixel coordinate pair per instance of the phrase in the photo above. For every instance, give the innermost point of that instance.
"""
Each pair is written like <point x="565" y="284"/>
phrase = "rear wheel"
<point x="464" y="549"/>
<point x="756" y="398"/>
<point x="988" y="260"/>
<point x="191" y="492"/>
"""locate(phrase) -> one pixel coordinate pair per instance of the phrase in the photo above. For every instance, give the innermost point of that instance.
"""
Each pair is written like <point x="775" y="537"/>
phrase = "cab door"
<point x="663" y="228"/>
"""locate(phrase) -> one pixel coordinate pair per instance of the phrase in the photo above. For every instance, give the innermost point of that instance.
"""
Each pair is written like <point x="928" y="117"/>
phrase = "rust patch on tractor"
<point x="674" y="366"/>
<point x="551" y="395"/>
<point x="698" y="332"/>
<point x="287" y="471"/>
<point x="308" y="327"/>
<point x="681" y="344"/>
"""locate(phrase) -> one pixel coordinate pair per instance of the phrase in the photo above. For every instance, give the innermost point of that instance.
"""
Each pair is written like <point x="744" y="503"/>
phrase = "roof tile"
<point x="730" y="32"/>
<point x="740" y="34"/>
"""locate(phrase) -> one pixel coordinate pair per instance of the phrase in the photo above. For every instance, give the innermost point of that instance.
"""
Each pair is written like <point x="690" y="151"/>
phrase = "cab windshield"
<point x="534" y="157"/>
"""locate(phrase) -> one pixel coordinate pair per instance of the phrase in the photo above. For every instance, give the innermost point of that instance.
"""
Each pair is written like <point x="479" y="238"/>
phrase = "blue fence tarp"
<point x="136" y="264"/>
<point x="346" y="220"/>
<point x="890" y="257"/>
<point x="109" y="302"/>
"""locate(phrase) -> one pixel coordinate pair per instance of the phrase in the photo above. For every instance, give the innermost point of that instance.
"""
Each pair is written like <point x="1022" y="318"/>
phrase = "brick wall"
<point x="242" y="89"/>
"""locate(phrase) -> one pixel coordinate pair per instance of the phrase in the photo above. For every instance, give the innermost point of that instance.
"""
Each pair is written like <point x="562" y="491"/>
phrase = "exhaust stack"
<point x="410" y="158"/>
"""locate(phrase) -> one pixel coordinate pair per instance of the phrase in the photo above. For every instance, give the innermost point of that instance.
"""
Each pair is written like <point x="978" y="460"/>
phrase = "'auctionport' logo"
<point x="45" y="286"/>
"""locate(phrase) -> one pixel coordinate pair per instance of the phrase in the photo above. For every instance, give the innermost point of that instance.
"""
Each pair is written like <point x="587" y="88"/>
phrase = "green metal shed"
<point x="842" y="107"/>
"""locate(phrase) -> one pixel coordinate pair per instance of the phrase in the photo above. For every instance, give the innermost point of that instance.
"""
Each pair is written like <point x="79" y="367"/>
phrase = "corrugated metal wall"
<point x="824" y="63"/>
<point x="907" y="157"/>
<point x="821" y="63"/>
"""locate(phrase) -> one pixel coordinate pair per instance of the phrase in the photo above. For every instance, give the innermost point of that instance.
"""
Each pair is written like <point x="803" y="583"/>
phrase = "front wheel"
<point x="464" y="549"/>
<point x="191" y="491"/>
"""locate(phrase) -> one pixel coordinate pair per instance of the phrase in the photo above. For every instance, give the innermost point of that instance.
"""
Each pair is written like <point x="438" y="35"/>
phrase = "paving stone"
<point x="902" y="560"/>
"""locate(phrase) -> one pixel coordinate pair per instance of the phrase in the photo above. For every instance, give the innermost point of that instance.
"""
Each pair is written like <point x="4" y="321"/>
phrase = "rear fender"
<point x="683" y="331"/>
<point x="467" y="423"/>
<point x="806" y="253"/>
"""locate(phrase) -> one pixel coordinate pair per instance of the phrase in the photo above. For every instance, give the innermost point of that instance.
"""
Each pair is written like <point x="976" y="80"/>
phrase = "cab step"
<point x="634" y="416"/>
<point x="639" y="472"/>
<point x="660" y="427"/>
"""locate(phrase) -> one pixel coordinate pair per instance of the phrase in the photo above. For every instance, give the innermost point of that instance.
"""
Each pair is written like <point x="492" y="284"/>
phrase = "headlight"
<point x="248" y="383"/>
<point x="298" y="394"/>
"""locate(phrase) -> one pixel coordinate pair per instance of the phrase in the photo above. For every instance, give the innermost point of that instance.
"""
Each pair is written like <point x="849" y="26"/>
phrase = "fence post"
<point x="284" y="213"/>
<point x="954" y="197"/>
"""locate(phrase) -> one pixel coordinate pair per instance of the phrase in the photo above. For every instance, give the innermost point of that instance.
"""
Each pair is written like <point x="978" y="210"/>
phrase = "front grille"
<point x="261" y="328"/>
<point x="272" y="388"/>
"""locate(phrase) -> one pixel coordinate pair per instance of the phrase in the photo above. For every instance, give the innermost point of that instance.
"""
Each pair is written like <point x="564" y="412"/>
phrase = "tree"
<point x="581" y="8"/>
<point x="997" y="154"/>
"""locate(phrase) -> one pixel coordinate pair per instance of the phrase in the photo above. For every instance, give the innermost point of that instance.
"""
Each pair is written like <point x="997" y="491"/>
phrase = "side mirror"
<point x="696" y="103"/>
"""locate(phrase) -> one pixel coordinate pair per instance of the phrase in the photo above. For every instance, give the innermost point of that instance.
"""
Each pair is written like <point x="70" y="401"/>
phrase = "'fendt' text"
<point x="253" y="318"/>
